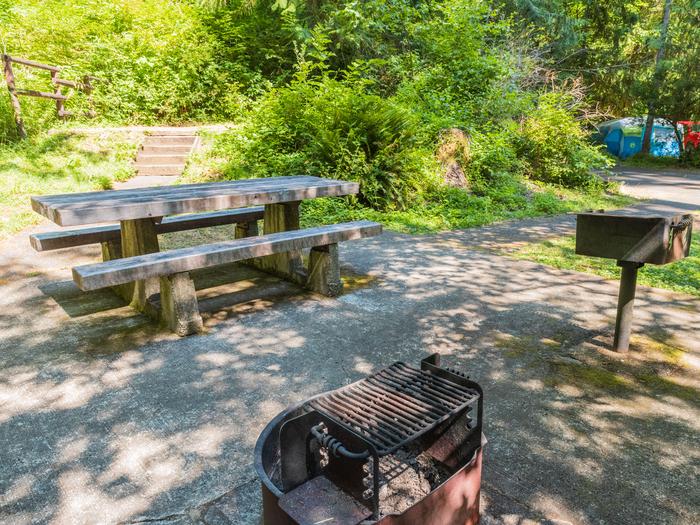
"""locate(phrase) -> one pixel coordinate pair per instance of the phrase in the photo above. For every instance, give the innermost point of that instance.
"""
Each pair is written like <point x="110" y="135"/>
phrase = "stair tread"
<point x="162" y="155"/>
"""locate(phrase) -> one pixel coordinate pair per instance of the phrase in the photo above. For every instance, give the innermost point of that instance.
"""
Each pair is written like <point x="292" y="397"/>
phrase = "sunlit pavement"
<point x="106" y="419"/>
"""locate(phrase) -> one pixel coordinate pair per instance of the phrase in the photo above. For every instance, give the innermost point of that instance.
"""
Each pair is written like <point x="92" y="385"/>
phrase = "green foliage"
<point x="363" y="91"/>
<point x="646" y="160"/>
<point x="453" y="208"/>
<point x="155" y="61"/>
<point x="613" y="48"/>
<point x="691" y="157"/>
<point x="555" y="146"/>
<point x="335" y="129"/>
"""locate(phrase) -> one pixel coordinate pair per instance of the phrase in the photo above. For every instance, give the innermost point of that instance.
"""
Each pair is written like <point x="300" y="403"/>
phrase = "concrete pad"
<point x="106" y="419"/>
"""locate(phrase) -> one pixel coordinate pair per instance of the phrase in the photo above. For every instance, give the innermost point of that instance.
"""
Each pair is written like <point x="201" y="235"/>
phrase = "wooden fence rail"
<point x="85" y="86"/>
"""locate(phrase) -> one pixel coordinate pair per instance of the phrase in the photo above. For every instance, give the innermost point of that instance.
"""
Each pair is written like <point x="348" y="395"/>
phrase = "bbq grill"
<point x="334" y="456"/>
<point x="633" y="239"/>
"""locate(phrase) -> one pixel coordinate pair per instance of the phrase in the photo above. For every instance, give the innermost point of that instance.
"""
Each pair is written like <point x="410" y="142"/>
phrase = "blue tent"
<point x="623" y="137"/>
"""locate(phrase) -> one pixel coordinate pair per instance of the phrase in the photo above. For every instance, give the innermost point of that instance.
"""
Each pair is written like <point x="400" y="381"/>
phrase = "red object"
<point x="691" y="134"/>
<point x="455" y="502"/>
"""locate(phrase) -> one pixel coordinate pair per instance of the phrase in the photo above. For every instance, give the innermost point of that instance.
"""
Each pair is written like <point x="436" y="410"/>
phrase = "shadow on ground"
<point x="106" y="419"/>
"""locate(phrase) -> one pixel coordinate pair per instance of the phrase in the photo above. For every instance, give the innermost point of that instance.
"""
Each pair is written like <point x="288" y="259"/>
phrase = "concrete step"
<point x="150" y="158"/>
<point x="172" y="131"/>
<point x="169" y="140"/>
<point x="162" y="149"/>
<point x="159" y="169"/>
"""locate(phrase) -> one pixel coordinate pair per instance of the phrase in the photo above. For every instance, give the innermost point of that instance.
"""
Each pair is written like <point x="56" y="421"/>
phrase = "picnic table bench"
<point x="159" y="283"/>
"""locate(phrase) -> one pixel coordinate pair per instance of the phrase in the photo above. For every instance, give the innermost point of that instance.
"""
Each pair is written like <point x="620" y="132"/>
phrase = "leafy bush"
<point x="156" y="61"/>
<point x="336" y="129"/>
<point x="691" y="157"/>
<point x="370" y="91"/>
<point x="494" y="155"/>
<point x="555" y="146"/>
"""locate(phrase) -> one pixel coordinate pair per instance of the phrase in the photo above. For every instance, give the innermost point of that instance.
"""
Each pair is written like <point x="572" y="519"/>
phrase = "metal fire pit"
<point x="633" y="240"/>
<point x="319" y="462"/>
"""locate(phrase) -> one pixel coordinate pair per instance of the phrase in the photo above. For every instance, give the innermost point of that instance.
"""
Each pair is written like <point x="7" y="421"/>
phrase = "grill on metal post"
<point x="633" y="239"/>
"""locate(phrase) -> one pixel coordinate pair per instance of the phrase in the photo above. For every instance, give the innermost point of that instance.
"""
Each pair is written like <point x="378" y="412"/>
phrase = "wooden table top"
<point x="106" y="206"/>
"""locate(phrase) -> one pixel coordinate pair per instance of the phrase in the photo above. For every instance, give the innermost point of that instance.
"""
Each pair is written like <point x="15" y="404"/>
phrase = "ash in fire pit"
<point x="406" y="477"/>
<point x="400" y="446"/>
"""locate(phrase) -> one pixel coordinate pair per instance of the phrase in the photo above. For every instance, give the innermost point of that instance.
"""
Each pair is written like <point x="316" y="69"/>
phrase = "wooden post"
<point x="16" y="108"/>
<point x="111" y="250"/>
<point x="625" y="305"/>
<point x="60" y="109"/>
<point x="279" y="218"/>
<point x="246" y="229"/>
<point x="87" y="88"/>
<point x="179" y="310"/>
<point x="324" y="271"/>
<point x="139" y="237"/>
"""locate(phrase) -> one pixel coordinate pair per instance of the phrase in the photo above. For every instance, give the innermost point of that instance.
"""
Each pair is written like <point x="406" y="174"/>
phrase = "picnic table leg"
<point x="111" y="250"/>
<point x="246" y="229"/>
<point x="289" y="265"/>
<point x="138" y="237"/>
<point x="324" y="270"/>
<point x="178" y="303"/>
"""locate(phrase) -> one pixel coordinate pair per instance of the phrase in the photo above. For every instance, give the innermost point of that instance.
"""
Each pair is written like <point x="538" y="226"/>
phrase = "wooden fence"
<point x="58" y="83"/>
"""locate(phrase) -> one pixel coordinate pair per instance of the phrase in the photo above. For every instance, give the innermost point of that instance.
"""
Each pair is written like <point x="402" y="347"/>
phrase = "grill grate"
<point x="395" y="406"/>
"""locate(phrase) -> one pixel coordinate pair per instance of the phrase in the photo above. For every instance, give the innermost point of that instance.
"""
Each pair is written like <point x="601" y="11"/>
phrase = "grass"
<point x="641" y="160"/>
<point x="682" y="276"/>
<point x="57" y="163"/>
<point x="451" y="208"/>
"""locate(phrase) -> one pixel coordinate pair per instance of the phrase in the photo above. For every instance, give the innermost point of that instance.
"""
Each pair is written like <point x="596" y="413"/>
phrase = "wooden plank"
<point x="39" y="94"/>
<point x="43" y="242"/>
<point x="67" y="83"/>
<point x="32" y="63"/>
<point x="206" y="220"/>
<point x="120" y="271"/>
<point x="104" y="206"/>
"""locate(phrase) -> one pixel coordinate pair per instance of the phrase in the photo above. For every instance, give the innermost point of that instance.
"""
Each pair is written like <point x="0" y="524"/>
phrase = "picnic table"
<point x="158" y="283"/>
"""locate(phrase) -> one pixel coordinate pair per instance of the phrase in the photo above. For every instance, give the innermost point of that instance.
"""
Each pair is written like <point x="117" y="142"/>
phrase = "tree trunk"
<point x="656" y="80"/>
<point x="679" y="138"/>
<point x="648" y="127"/>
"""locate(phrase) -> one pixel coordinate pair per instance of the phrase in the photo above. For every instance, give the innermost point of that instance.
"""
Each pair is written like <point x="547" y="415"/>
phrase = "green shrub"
<point x="494" y="154"/>
<point x="555" y="148"/>
<point x="156" y="61"/>
<point x="691" y="157"/>
<point x="334" y="128"/>
<point x="57" y="163"/>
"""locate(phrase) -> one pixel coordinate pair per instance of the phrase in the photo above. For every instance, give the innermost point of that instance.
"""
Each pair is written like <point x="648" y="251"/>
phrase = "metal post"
<point x="625" y="305"/>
